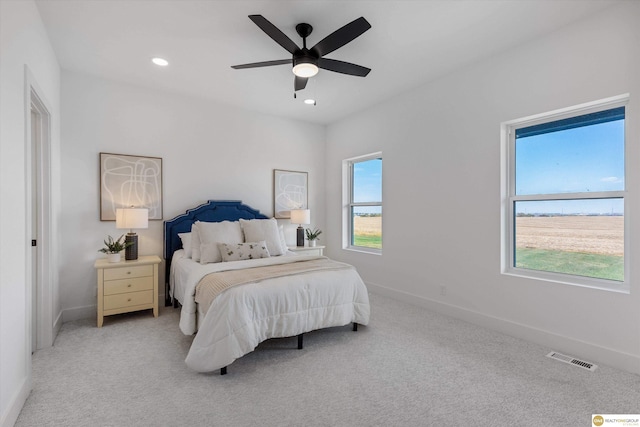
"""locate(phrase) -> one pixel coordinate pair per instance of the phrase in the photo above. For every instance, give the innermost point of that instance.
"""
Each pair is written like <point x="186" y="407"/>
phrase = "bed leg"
<point x="223" y="371"/>
<point x="355" y="327"/>
<point x="175" y="303"/>
<point x="300" y="342"/>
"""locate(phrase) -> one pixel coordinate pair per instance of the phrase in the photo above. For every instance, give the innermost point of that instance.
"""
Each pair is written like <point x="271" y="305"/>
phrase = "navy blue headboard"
<point x="212" y="211"/>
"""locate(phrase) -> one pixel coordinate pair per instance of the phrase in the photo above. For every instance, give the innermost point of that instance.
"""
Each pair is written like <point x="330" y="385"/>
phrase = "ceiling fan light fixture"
<point x="305" y="69"/>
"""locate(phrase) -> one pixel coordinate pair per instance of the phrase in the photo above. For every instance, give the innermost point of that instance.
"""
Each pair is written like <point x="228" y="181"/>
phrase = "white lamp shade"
<point x="301" y="216"/>
<point x="132" y="218"/>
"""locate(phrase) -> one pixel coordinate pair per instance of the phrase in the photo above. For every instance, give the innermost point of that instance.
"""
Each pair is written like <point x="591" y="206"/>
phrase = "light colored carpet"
<point x="409" y="367"/>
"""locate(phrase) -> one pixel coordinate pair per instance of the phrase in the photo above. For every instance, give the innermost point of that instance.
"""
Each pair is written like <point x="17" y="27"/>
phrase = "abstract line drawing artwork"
<point x="289" y="192"/>
<point x="127" y="181"/>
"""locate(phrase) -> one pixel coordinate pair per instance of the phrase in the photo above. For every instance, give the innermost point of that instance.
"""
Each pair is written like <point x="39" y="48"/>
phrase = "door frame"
<point x="35" y="100"/>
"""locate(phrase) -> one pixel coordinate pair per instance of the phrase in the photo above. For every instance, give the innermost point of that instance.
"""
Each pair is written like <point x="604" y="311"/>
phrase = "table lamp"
<point x="300" y="216"/>
<point x="132" y="218"/>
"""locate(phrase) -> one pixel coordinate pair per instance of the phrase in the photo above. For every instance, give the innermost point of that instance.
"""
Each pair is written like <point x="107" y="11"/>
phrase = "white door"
<point x="36" y="140"/>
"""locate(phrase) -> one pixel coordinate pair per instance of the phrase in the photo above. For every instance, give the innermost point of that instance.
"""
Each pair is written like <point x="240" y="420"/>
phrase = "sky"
<point x="585" y="159"/>
<point x="367" y="184"/>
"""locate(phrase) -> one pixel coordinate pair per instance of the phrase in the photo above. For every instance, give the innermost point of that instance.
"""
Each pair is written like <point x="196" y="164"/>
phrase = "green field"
<point x="367" y="240"/>
<point x="581" y="264"/>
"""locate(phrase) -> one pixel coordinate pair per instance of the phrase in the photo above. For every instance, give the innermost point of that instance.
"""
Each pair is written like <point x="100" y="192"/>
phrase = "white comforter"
<point x="242" y="317"/>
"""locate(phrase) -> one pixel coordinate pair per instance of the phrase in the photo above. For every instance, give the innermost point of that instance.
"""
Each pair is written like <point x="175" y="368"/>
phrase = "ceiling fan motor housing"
<point x="305" y="56"/>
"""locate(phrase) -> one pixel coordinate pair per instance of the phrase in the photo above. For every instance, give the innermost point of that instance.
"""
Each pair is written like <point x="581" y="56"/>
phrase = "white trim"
<point x="10" y="416"/>
<point x="508" y="196"/>
<point x="78" y="313"/>
<point x="45" y="328"/>
<point x="347" y="197"/>
<point x="91" y="311"/>
<point x="604" y="356"/>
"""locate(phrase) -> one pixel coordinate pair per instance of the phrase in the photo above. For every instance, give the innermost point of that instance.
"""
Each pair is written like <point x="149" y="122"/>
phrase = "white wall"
<point x="441" y="188"/>
<point x="209" y="151"/>
<point x="23" y="41"/>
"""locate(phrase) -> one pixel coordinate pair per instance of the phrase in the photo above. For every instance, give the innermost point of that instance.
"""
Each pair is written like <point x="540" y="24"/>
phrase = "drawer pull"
<point x="129" y="300"/>
<point x="128" y="272"/>
<point x="129" y="285"/>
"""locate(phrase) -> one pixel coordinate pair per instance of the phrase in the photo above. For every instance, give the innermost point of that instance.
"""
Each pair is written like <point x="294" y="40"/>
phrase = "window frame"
<point x="509" y="197"/>
<point x="348" y="203"/>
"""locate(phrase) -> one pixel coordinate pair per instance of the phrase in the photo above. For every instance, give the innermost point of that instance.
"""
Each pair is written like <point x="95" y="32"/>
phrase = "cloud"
<point x="611" y="179"/>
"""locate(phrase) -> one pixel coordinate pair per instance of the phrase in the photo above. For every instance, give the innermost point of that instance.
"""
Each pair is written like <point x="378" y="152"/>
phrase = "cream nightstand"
<point x="307" y="250"/>
<point x="127" y="286"/>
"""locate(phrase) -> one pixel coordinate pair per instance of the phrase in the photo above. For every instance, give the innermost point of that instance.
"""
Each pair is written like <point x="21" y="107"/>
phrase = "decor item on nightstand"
<point x="132" y="218"/>
<point x="312" y="236"/>
<point x="300" y="217"/>
<point x="113" y="248"/>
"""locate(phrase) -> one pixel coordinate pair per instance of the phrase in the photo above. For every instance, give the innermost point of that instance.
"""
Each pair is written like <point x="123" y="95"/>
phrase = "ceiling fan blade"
<point x="299" y="83"/>
<point x="343" y="67"/>
<point x="273" y="32"/>
<point x="341" y="36"/>
<point x="263" y="64"/>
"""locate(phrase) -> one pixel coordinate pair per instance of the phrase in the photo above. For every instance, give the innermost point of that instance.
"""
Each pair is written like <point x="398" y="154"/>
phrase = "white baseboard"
<point x="9" y="417"/>
<point x="592" y="352"/>
<point x="77" y="313"/>
<point x="57" y="324"/>
<point x="90" y="311"/>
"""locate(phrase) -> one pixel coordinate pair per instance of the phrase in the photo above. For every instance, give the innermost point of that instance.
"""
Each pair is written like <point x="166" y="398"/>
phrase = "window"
<point x="565" y="178"/>
<point x="363" y="207"/>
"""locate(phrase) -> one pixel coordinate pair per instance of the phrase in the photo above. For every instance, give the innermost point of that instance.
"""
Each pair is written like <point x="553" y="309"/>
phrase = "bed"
<point x="237" y="284"/>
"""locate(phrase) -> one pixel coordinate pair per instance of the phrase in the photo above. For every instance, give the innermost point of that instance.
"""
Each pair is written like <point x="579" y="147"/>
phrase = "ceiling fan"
<point x="306" y="62"/>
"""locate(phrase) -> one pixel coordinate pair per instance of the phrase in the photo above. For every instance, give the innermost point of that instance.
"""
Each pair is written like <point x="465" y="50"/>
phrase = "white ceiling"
<point x="410" y="43"/>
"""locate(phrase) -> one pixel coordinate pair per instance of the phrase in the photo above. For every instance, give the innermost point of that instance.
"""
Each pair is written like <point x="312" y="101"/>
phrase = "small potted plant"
<point x="114" y="247"/>
<point x="312" y="236"/>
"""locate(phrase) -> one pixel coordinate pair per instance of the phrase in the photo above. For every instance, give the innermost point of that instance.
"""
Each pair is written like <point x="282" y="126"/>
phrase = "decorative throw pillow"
<point x="242" y="251"/>
<point x="212" y="233"/>
<point x="195" y="242"/>
<point x="256" y="230"/>
<point x="186" y="243"/>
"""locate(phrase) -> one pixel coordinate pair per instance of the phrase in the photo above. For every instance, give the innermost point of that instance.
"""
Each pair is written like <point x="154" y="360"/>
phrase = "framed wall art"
<point x="127" y="181"/>
<point x="289" y="192"/>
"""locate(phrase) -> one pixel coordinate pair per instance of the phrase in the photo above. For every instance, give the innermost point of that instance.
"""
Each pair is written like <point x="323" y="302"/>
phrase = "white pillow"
<point x="186" y="243"/>
<point x="256" y="230"/>
<point x="283" y="240"/>
<point x="195" y="242"/>
<point x="241" y="251"/>
<point x="212" y="233"/>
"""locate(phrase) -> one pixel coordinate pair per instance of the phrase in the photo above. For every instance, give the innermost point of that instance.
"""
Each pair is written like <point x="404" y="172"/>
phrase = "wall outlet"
<point x="443" y="291"/>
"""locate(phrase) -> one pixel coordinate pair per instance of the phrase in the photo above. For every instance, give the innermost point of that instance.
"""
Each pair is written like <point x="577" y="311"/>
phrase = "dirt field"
<point x="367" y="225"/>
<point x="591" y="234"/>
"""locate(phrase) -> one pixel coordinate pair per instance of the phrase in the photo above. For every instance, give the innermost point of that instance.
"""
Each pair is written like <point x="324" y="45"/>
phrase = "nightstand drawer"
<point x="122" y="286"/>
<point x="128" y="300"/>
<point x="127" y="272"/>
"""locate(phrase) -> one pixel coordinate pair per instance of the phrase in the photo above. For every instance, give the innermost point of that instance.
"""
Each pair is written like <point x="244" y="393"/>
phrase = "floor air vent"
<point x="572" y="360"/>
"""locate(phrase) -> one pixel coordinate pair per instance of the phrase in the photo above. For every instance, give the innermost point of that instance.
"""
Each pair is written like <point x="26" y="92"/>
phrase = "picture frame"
<point x="290" y="191"/>
<point x="127" y="180"/>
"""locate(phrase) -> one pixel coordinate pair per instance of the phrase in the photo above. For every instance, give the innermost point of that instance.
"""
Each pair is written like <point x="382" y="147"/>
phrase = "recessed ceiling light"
<point x="160" y="61"/>
<point x="310" y="101"/>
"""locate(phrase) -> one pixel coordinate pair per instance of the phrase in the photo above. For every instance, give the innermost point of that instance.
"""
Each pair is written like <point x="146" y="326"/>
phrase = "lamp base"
<point x="131" y="253"/>
<point x="300" y="236"/>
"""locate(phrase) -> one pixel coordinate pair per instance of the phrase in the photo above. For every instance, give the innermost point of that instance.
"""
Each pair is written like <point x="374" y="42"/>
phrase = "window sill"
<point x="363" y="250"/>
<point x="583" y="282"/>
